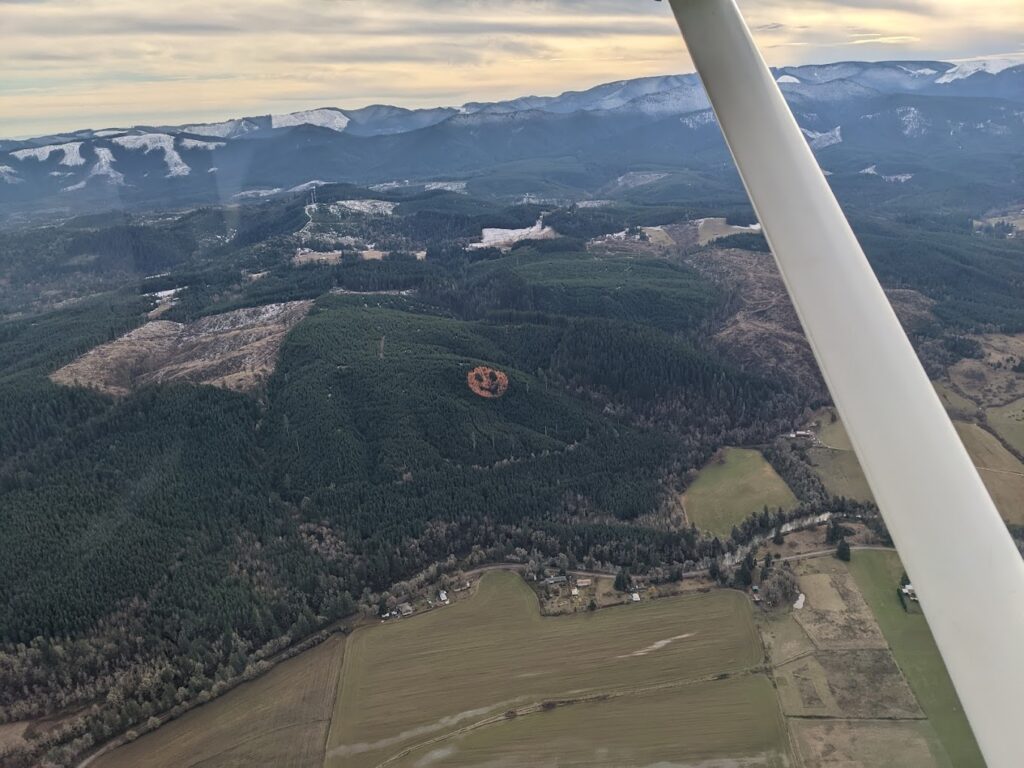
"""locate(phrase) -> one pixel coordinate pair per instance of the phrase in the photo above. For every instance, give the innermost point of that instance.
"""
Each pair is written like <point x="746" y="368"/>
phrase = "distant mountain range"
<point x="913" y="113"/>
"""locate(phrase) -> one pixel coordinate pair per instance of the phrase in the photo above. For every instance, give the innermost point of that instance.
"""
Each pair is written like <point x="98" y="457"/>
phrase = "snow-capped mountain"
<point x="949" y="109"/>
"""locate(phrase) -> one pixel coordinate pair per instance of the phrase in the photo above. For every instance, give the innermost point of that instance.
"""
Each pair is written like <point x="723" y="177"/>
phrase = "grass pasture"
<point x="1008" y="422"/>
<point x="279" y="719"/>
<point x="736" y="484"/>
<point x="692" y="725"/>
<point x="832" y="432"/>
<point x="878" y="574"/>
<point x="410" y="686"/>
<point x="1002" y="472"/>
<point x="841" y="474"/>
<point x="954" y="403"/>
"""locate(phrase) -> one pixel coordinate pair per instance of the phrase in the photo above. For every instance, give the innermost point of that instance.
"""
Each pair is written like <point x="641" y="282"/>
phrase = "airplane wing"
<point x="965" y="568"/>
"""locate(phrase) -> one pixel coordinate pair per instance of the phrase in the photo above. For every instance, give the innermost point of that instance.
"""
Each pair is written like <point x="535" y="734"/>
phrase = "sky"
<point x="67" y="64"/>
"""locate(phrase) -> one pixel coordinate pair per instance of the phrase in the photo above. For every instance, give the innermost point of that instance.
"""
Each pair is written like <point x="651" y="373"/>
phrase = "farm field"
<point x="692" y="725"/>
<point x="867" y="744"/>
<point x="877" y="574"/>
<point x="279" y="719"/>
<point x="412" y="684"/>
<point x="840" y="472"/>
<point x="847" y="701"/>
<point x="1008" y="422"/>
<point x="1002" y="472"/>
<point x="733" y="486"/>
<point x="955" y="403"/>
<point x="833" y="433"/>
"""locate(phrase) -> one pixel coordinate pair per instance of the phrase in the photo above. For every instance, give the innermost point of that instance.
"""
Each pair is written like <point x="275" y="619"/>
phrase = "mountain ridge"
<point x="913" y="106"/>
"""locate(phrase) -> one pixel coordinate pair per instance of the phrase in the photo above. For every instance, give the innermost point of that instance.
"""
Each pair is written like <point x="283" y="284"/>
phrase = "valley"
<point x="254" y="425"/>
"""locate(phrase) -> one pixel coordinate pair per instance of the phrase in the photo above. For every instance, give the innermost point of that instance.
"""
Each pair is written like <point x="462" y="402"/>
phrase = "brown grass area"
<point x="279" y="719"/>
<point x="865" y="744"/>
<point x="861" y="683"/>
<point x="237" y="350"/>
<point x="991" y="380"/>
<point x="763" y="333"/>
<point x="659" y="236"/>
<point x="305" y="256"/>
<point x="835" y="615"/>
<point x="12" y="736"/>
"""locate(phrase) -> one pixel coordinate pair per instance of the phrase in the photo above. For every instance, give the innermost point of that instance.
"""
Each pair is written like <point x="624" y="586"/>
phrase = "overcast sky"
<point x="68" y="64"/>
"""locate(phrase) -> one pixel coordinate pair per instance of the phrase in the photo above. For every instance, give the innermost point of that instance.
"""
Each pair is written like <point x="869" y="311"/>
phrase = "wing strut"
<point x="965" y="568"/>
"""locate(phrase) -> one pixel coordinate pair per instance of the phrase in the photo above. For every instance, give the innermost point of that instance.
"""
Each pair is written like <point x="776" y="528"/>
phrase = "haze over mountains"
<point x="909" y="120"/>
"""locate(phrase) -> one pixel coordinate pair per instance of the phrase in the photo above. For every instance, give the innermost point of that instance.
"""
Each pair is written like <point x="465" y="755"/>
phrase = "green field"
<point x="732" y="487"/>
<point x="279" y="719"/>
<point x="841" y="473"/>
<point x="413" y="684"/>
<point x="878" y="574"/>
<point x="1008" y="422"/>
<point x="833" y="433"/>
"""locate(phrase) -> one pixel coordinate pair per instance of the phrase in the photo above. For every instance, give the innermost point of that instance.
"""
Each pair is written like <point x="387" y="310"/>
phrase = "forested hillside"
<point x="161" y="546"/>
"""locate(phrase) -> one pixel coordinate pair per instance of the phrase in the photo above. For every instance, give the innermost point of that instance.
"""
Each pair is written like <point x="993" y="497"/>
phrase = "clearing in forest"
<point x="279" y="719"/>
<point x="734" y="485"/>
<point x="462" y="684"/>
<point x="992" y="379"/>
<point x="236" y="350"/>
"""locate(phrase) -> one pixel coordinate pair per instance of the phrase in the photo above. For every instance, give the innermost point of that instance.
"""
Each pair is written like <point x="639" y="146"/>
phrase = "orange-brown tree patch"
<point x="487" y="382"/>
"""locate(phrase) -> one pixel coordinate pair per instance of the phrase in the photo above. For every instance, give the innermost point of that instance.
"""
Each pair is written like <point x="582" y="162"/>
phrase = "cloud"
<point x="76" y="63"/>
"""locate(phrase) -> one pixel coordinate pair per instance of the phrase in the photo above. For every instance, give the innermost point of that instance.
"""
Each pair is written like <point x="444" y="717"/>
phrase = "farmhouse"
<point x="581" y="583"/>
<point x="405" y="609"/>
<point x="442" y="597"/>
<point x="556" y="580"/>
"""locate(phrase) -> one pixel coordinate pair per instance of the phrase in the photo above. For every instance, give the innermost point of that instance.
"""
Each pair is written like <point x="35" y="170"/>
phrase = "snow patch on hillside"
<point x="225" y="130"/>
<point x="896" y="178"/>
<point x="594" y="203"/>
<point x="371" y="207"/>
<point x="72" y="153"/>
<point x="446" y="186"/>
<point x="635" y="179"/>
<point x="103" y="167"/>
<point x="9" y="176"/>
<point x="967" y="67"/>
<point x="324" y="118"/>
<point x="699" y="119"/>
<point x="151" y="142"/>
<point x="506" y="238"/>
<point x="820" y="140"/>
<point x="256" y="193"/>
<point x="914" y="124"/>
<point x="788" y="79"/>
<point x="197" y="144"/>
